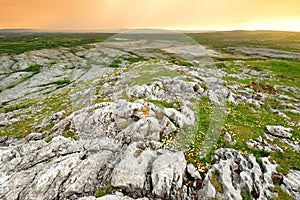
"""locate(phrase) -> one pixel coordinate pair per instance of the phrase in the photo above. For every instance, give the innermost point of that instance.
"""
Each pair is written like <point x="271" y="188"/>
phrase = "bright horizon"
<point x="187" y="15"/>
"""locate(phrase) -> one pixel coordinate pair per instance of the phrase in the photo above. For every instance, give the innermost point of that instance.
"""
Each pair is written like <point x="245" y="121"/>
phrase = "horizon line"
<point x="191" y="30"/>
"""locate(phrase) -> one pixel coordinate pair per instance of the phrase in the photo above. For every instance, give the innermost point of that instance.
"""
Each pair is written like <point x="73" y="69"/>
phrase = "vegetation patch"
<point x="71" y="134"/>
<point x="115" y="64"/>
<point x="14" y="107"/>
<point x="135" y="58"/>
<point x="15" y="43"/>
<point x="32" y="68"/>
<point x="262" y="87"/>
<point x="246" y="196"/>
<point x="220" y="41"/>
<point x="289" y="159"/>
<point x="282" y="194"/>
<point x="41" y="107"/>
<point x="102" y="191"/>
<point x="148" y="73"/>
<point x="286" y="72"/>
<point x="215" y="182"/>
<point x="49" y="139"/>
<point x="63" y="82"/>
<point x="180" y="62"/>
<point x="237" y="80"/>
<point x="165" y="104"/>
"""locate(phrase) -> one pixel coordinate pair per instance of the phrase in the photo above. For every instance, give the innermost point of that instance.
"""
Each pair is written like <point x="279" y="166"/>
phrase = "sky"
<point x="168" y="14"/>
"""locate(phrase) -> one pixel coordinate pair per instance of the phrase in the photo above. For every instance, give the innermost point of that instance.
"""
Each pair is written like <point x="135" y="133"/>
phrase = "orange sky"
<point x="172" y="14"/>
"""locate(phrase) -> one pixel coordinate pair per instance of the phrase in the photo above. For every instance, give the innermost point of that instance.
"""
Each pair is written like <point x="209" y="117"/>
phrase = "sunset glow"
<point x="170" y="14"/>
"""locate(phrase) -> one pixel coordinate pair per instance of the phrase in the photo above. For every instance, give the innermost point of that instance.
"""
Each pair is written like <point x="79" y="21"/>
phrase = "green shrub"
<point x="32" y="68"/>
<point x="102" y="191"/>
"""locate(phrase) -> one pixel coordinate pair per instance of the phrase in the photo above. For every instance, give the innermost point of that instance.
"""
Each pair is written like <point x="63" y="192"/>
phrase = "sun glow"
<point x="279" y="24"/>
<point x="188" y="15"/>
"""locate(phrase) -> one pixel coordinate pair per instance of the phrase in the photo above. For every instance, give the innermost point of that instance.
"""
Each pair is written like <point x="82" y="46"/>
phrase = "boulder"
<point x="193" y="172"/>
<point x="130" y="174"/>
<point x="167" y="174"/>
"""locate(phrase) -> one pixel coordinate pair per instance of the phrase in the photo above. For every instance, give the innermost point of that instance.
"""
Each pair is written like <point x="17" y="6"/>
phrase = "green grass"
<point x="71" y="134"/>
<point x="32" y="68"/>
<point x="180" y="62"/>
<point x="243" y="121"/>
<point x="192" y="153"/>
<point x="165" y="104"/>
<point x="246" y="196"/>
<point x="15" y="43"/>
<point x="282" y="195"/>
<point x="287" y="160"/>
<point x="14" y="107"/>
<point x="115" y="64"/>
<point x="283" y="72"/>
<point x="287" y="72"/>
<point x="102" y="191"/>
<point x="49" y="139"/>
<point x="148" y="74"/>
<point x="216" y="183"/>
<point x="236" y="80"/>
<point x="289" y="41"/>
<point x="63" y="82"/>
<point x="50" y="104"/>
<point x="247" y="121"/>
<point x="134" y="59"/>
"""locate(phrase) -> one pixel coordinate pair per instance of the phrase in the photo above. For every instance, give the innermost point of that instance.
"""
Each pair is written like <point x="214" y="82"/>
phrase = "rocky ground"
<point x="104" y="123"/>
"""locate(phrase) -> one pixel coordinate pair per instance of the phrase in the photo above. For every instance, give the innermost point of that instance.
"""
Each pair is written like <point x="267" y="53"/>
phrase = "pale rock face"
<point x="60" y="169"/>
<point x="291" y="183"/>
<point x="263" y="144"/>
<point x="122" y="119"/>
<point x="208" y="191"/>
<point x="274" y="132"/>
<point x="131" y="172"/>
<point x="112" y="197"/>
<point x="237" y="173"/>
<point x="182" y="119"/>
<point x="165" y="169"/>
<point x="279" y="131"/>
<point x="193" y="172"/>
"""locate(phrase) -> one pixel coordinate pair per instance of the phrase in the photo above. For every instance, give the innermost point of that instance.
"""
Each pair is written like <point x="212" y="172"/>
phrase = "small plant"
<point x="102" y="191"/>
<point x="115" y="63"/>
<point x="246" y="196"/>
<point x="49" y="139"/>
<point x="32" y="68"/>
<point x="180" y="62"/>
<point x="71" y="134"/>
<point x="16" y="107"/>
<point x="216" y="183"/>
<point x="137" y="153"/>
<point x="165" y="104"/>
<point x="281" y="194"/>
<point x="287" y="160"/>
<point x="135" y="59"/>
<point x="59" y="83"/>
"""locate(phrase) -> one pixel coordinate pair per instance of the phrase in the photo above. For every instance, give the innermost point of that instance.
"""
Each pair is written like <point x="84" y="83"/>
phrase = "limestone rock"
<point x="237" y="173"/>
<point x="167" y="173"/>
<point x="279" y="131"/>
<point x="60" y="169"/>
<point x="131" y="173"/>
<point x="291" y="183"/>
<point x="182" y="119"/>
<point x="193" y="172"/>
